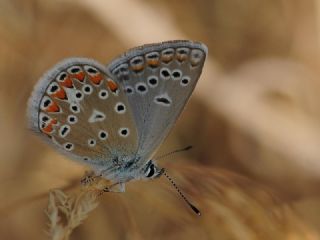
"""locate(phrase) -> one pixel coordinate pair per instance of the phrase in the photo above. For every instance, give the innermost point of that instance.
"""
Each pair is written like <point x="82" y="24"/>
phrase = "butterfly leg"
<point x="89" y="178"/>
<point x="116" y="188"/>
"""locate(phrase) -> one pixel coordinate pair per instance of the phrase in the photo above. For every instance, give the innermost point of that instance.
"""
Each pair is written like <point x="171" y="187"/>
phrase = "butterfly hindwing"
<point x="158" y="79"/>
<point x="80" y="109"/>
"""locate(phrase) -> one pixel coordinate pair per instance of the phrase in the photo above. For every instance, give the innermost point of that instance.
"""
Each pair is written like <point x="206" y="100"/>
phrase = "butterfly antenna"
<point x="173" y="152"/>
<point x="196" y="210"/>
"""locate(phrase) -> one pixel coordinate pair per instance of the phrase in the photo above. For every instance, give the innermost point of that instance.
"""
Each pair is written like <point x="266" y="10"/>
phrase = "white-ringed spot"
<point x="185" y="81"/>
<point x="103" y="94"/>
<point x="96" y="116"/>
<point x="124" y="132"/>
<point x="91" y="142"/>
<point x="87" y="89"/>
<point x="103" y="135"/>
<point x="165" y="73"/>
<point x="64" y="130"/>
<point x="153" y="81"/>
<point x="141" y="88"/>
<point x="72" y="119"/>
<point x="74" y="108"/>
<point x="120" y="108"/>
<point x="68" y="146"/>
<point x="176" y="74"/>
<point x="163" y="99"/>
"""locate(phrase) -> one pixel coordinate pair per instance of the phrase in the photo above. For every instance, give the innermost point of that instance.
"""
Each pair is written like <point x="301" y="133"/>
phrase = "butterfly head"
<point x="152" y="171"/>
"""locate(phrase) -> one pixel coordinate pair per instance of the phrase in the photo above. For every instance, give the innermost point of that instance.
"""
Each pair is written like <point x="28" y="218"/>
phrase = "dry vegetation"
<point x="254" y="121"/>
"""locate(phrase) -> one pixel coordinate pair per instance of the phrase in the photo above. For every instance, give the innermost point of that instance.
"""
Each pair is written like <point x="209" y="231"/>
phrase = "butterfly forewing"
<point x="81" y="110"/>
<point x="158" y="80"/>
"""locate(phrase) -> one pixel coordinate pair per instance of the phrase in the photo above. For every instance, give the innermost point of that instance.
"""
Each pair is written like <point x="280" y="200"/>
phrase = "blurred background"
<point x="254" y="119"/>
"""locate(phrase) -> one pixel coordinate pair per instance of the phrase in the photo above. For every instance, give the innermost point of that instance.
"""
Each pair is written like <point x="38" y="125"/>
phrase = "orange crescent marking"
<point x="182" y="57"/>
<point x="53" y="107"/>
<point x="96" y="79"/>
<point x="61" y="94"/>
<point x="80" y="76"/>
<point x="166" y="59"/>
<point x="48" y="129"/>
<point x="67" y="83"/>
<point x="112" y="85"/>
<point x="153" y="62"/>
<point x="137" y="68"/>
<point x="54" y="121"/>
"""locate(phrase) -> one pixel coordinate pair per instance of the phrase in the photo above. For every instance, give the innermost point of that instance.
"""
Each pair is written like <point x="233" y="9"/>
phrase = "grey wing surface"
<point x="158" y="80"/>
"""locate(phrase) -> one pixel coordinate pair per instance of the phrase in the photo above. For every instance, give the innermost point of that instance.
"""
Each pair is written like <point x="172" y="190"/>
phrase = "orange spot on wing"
<point x="79" y="76"/>
<point x="67" y="83"/>
<point x="96" y="79"/>
<point x="153" y="62"/>
<point x="53" y="107"/>
<point x="166" y="59"/>
<point x="61" y="94"/>
<point x="182" y="57"/>
<point x="49" y="128"/>
<point x="137" y="68"/>
<point x="112" y="85"/>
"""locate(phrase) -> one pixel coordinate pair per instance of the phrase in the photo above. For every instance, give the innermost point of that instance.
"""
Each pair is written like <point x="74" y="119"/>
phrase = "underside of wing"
<point x="79" y="109"/>
<point x="158" y="79"/>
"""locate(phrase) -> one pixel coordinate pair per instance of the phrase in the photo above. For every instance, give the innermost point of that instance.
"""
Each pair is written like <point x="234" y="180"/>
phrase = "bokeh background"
<point x="254" y="119"/>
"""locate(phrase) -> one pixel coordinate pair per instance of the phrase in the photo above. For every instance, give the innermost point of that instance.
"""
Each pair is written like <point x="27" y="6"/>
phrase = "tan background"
<point x="254" y="118"/>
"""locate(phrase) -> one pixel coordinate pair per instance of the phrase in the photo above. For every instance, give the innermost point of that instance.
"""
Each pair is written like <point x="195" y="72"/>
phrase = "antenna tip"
<point x="196" y="210"/>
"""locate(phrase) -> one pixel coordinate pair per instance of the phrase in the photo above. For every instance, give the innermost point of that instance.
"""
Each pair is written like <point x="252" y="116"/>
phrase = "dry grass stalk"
<point x="65" y="212"/>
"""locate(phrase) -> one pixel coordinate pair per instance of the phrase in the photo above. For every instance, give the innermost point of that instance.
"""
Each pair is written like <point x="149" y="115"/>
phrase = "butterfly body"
<point x="113" y="118"/>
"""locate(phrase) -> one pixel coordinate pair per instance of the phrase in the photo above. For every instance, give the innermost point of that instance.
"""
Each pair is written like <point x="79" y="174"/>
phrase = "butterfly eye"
<point x="150" y="171"/>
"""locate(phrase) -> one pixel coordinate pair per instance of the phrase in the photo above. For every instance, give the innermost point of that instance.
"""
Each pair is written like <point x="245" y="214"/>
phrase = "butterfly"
<point x="114" y="118"/>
